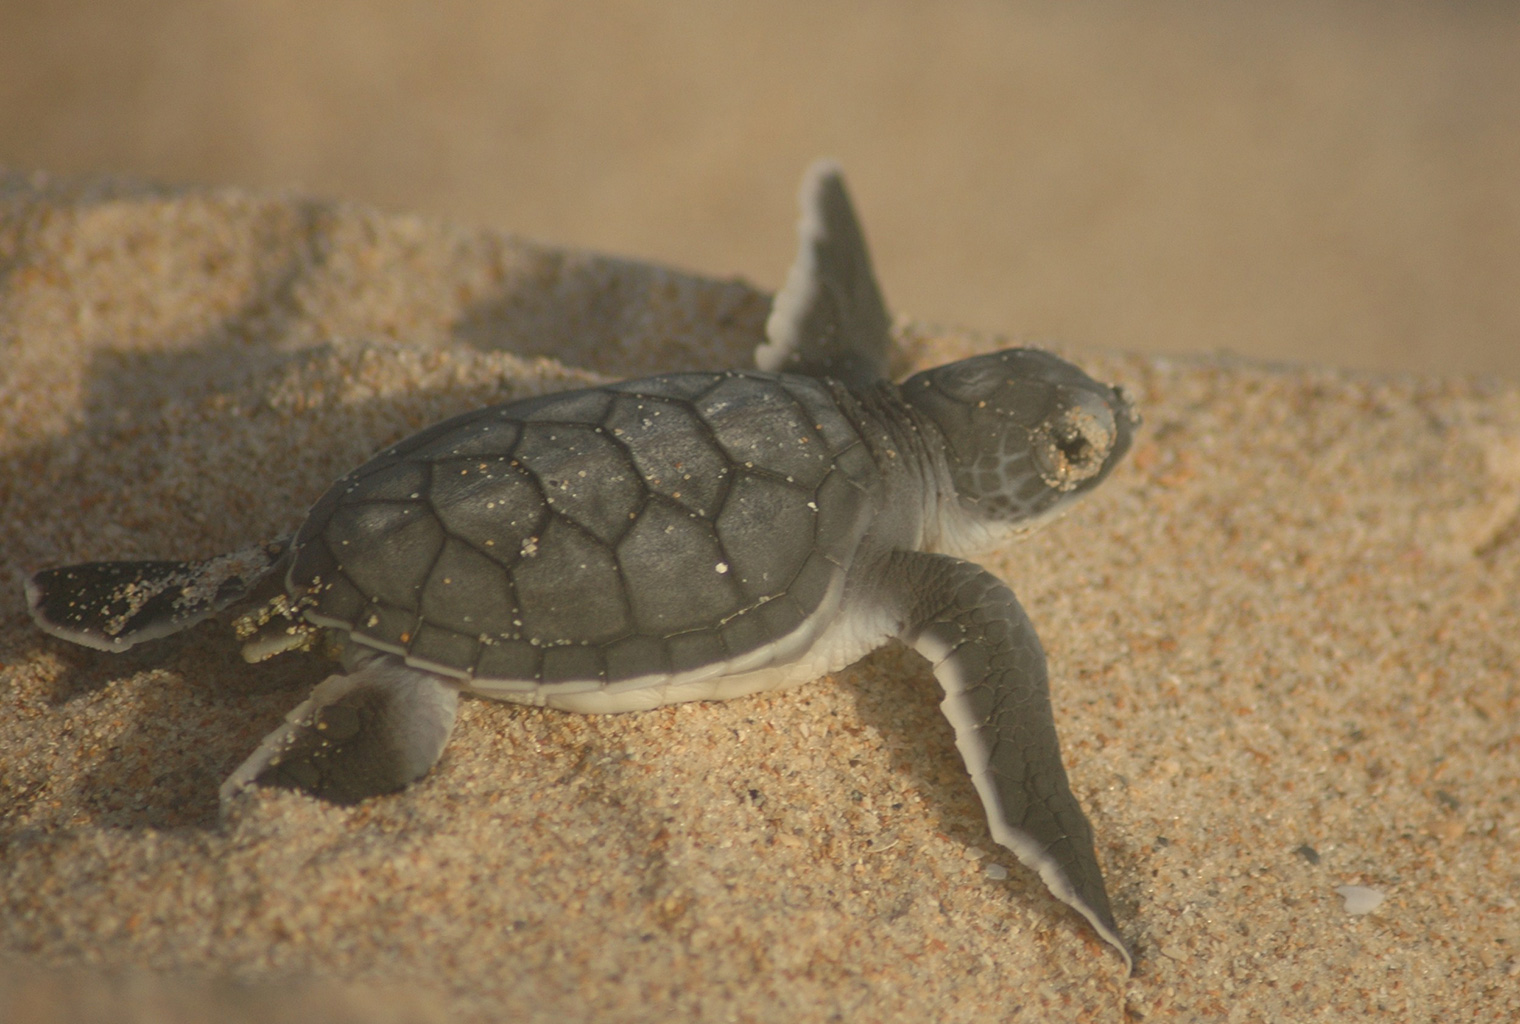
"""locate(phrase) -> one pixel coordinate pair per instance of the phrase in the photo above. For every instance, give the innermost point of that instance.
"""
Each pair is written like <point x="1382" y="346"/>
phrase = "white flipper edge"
<point x="372" y="731"/>
<point x="113" y="606"/>
<point x="828" y="319"/>
<point x="977" y="756"/>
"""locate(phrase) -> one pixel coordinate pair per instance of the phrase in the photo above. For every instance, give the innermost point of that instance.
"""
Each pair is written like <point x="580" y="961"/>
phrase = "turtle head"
<point x="1025" y="432"/>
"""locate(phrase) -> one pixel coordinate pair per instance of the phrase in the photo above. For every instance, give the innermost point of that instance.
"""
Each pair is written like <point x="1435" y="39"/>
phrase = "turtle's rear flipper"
<point x="113" y="605"/>
<point x="358" y="735"/>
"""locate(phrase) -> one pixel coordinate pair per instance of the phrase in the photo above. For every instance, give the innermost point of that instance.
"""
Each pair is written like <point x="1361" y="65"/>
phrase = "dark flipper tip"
<point x="112" y="606"/>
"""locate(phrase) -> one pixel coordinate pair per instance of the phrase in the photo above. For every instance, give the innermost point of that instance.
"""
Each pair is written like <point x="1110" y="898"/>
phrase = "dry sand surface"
<point x="1283" y="643"/>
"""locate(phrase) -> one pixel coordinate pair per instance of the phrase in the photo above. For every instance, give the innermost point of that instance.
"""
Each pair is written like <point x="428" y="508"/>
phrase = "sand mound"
<point x="1283" y="644"/>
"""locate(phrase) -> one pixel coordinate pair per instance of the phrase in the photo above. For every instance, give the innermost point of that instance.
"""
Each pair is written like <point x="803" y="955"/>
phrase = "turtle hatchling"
<point x="687" y="536"/>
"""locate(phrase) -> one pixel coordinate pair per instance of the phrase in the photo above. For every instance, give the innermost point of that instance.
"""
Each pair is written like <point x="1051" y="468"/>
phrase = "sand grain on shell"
<point x="1289" y="624"/>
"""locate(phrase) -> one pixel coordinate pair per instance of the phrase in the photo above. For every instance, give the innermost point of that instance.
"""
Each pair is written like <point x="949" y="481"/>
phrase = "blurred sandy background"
<point x="1336" y="182"/>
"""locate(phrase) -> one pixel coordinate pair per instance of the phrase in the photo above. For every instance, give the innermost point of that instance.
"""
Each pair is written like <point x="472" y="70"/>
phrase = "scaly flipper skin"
<point x="829" y="319"/>
<point x="989" y="662"/>
<point x="111" y="606"/>
<point x="372" y="731"/>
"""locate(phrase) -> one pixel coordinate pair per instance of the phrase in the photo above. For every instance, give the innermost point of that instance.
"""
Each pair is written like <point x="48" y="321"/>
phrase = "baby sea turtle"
<point x="688" y="536"/>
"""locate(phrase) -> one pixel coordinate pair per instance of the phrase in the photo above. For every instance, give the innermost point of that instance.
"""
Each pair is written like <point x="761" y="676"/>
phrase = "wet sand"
<point x="1283" y="642"/>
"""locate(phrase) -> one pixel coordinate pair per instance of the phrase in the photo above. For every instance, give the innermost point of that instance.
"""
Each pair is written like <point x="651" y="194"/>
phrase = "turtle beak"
<point x="1124" y="406"/>
<point x="1126" y="418"/>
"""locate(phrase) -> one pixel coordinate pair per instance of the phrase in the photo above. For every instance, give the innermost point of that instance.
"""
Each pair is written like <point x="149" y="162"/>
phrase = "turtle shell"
<point x="641" y="529"/>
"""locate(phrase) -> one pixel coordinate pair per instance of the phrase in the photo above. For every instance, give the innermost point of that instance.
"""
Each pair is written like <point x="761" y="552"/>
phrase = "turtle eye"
<point x="1071" y="446"/>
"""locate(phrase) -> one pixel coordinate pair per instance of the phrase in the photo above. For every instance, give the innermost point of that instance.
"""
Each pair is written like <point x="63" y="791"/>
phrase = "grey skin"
<point x="688" y="536"/>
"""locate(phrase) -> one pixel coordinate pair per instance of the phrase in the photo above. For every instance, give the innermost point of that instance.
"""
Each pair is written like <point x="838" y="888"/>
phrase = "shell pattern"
<point x="636" y="529"/>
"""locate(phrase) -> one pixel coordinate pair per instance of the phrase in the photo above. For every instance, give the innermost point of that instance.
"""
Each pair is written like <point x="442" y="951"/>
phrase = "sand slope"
<point x="1283" y="643"/>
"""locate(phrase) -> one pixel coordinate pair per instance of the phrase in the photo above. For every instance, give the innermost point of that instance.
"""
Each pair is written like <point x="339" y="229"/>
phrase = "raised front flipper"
<point x="372" y="731"/>
<point x="829" y="319"/>
<point x="112" y="606"/>
<point x="989" y="661"/>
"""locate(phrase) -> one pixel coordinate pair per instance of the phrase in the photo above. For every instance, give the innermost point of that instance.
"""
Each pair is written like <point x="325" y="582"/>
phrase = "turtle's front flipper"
<point x="358" y="735"/>
<point x="829" y="319"/>
<point x="989" y="661"/>
<point x="113" y="605"/>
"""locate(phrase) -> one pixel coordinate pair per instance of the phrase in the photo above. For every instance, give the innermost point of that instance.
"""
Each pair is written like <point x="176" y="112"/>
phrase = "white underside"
<point x="800" y="657"/>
